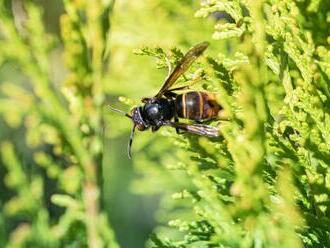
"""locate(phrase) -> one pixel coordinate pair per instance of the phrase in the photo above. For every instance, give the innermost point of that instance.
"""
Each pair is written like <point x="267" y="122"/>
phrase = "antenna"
<point x="130" y="142"/>
<point x="119" y="111"/>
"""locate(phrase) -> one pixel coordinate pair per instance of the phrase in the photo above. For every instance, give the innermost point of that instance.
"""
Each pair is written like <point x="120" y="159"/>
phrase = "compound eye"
<point x="141" y="127"/>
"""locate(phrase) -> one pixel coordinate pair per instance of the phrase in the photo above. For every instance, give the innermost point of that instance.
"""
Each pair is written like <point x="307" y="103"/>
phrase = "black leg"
<point x="176" y="120"/>
<point x="154" y="128"/>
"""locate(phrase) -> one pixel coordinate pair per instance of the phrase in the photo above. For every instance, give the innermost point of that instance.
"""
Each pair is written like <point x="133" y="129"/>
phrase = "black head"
<point x="138" y="119"/>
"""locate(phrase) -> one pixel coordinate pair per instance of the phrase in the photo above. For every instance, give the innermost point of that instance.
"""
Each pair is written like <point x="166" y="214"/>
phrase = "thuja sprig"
<point x="72" y="134"/>
<point x="276" y="136"/>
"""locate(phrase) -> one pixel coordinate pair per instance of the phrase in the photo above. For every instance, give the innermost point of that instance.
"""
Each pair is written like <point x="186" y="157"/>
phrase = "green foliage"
<point x="264" y="183"/>
<point x="62" y="127"/>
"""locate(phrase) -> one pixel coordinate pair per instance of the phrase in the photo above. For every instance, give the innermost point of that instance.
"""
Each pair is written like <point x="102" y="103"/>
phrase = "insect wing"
<point x="183" y="66"/>
<point x="198" y="129"/>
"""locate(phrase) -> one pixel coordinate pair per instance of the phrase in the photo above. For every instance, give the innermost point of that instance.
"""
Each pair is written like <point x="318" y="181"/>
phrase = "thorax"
<point x="159" y="110"/>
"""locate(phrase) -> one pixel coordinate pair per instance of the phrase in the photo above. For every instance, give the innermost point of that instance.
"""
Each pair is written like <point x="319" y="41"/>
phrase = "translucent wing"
<point x="198" y="129"/>
<point x="183" y="66"/>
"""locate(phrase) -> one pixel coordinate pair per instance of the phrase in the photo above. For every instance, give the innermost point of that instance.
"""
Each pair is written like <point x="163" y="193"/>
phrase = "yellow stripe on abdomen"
<point x="184" y="106"/>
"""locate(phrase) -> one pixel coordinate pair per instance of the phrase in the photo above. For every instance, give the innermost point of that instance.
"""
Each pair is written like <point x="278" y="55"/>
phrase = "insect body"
<point x="166" y="106"/>
<point x="193" y="105"/>
<point x="196" y="105"/>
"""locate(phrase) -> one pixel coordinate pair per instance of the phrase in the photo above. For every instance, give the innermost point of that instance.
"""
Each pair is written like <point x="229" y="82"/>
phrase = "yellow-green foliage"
<point x="61" y="126"/>
<point x="264" y="183"/>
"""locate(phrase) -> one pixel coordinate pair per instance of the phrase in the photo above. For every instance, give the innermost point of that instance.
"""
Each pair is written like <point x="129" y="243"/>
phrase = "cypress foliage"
<point x="61" y="126"/>
<point x="263" y="183"/>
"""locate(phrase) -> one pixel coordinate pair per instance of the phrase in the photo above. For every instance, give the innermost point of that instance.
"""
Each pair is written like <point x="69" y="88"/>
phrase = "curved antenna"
<point x="119" y="111"/>
<point x="129" y="147"/>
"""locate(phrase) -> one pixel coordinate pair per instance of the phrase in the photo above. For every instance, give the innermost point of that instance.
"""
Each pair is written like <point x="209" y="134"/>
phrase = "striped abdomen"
<point x="196" y="105"/>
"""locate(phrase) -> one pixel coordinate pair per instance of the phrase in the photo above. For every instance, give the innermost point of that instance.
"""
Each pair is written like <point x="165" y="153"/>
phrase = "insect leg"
<point x="176" y="120"/>
<point x="154" y="128"/>
<point x="129" y="147"/>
